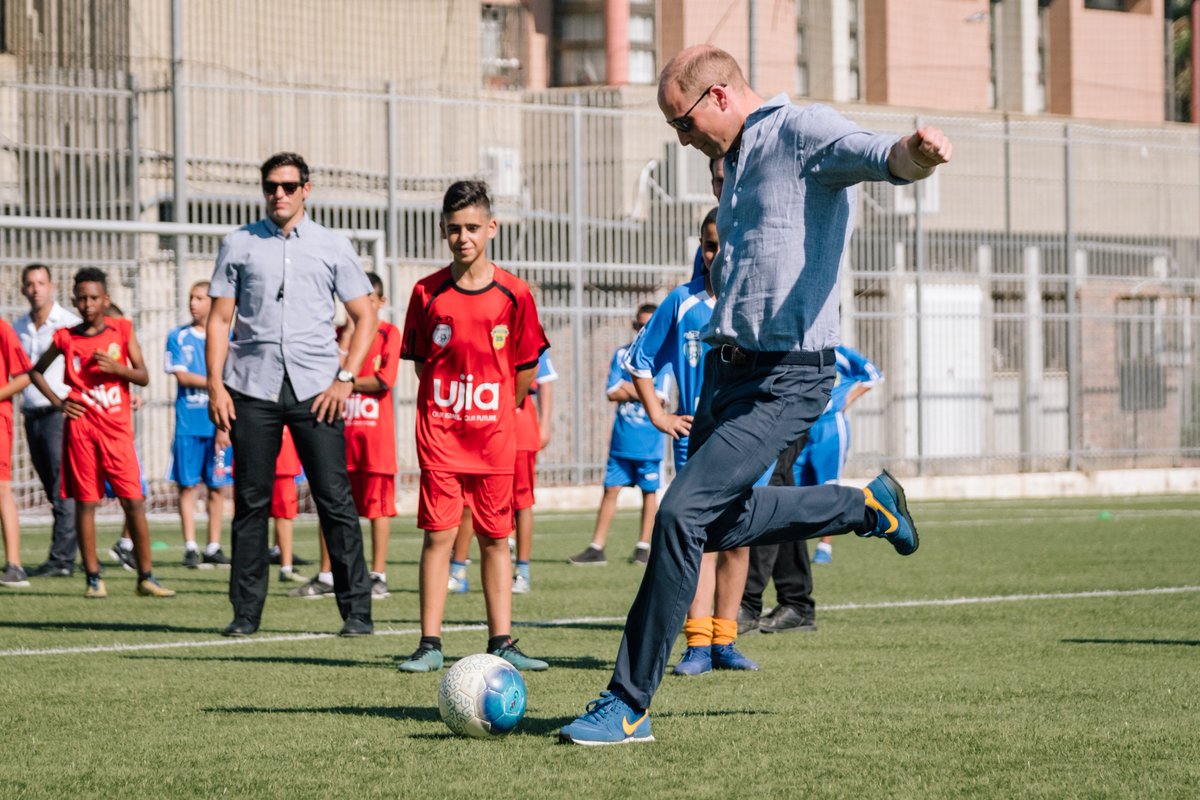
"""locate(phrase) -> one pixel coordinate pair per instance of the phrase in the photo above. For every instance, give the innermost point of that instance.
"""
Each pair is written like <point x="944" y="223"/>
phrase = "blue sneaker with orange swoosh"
<point x="608" y="720"/>
<point x="885" y="496"/>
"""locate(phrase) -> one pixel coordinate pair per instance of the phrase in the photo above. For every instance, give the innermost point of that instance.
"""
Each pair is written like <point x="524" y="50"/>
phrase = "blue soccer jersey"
<point x="671" y="340"/>
<point x="185" y="353"/>
<point x="633" y="435"/>
<point x="545" y="371"/>
<point x="852" y="368"/>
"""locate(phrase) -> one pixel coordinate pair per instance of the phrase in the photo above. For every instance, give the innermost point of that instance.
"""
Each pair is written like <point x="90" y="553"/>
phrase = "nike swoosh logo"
<point x="630" y="727"/>
<point x="893" y="523"/>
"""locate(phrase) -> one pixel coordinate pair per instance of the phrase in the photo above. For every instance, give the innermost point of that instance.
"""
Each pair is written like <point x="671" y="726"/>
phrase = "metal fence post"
<point x="577" y="255"/>
<point x="920" y="247"/>
<point x="179" y="161"/>
<point x="133" y="132"/>
<point x="1074" y="354"/>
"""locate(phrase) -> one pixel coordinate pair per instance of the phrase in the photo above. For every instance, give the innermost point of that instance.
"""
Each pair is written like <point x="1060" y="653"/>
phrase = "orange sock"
<point x="699" y="631"/>
<point x="724" y="630"/>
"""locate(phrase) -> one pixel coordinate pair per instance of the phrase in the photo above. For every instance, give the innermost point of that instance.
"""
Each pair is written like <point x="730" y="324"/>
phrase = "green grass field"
<point x="1059" y="674"/>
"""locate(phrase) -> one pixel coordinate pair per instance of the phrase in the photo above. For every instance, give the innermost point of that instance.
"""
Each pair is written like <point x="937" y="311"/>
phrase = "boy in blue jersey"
<point x="634" y="456"/>
<point x="671" y="340"/>
<point x="199" y="452"/>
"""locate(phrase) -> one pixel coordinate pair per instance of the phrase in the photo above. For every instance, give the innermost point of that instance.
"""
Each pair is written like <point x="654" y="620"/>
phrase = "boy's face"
<point x="377" y="299"/>
<point x="716" y="169"/>
<point x="467" y="231"/>
<point x="709" y="245"/>
<point x="199" y="304"/>
<point x="641" y="320"/>
<point x="91" y="300"/>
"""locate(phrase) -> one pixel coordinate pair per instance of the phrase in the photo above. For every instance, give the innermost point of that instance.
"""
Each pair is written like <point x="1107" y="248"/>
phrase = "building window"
<point x="642" y="67"/>
<point x="503" y="33"/>
<point x="579" y="43"/>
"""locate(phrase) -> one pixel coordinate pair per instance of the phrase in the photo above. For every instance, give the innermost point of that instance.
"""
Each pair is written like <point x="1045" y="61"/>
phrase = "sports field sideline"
<point x="1028" y="649"/>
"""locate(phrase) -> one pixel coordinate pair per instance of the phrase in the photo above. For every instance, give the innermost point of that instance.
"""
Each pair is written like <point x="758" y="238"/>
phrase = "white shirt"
<point x="36" y="341"/>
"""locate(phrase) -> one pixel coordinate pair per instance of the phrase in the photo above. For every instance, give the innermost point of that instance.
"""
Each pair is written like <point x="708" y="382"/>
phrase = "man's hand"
<point x="221" y="441"/>
<point x="928" y="147"/>
<point x="73" y="408"/>
<point x="330" y="405"/>
<point x="220" y="406"/>
<point x="674" y="425"/>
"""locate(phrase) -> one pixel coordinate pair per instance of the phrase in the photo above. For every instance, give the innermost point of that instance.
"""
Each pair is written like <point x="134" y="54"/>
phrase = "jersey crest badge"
<point x="691" y="347"/>
<point x="114" y="351"/>
<point x="499" y="336"/>
<point x="441" y="331"/>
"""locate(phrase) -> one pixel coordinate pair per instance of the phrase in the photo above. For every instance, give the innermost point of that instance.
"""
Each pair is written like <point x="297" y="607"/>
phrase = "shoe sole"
<point x="311" y="596"/>
<point x="565" y="738"/>
<point x="587" y="563"/>
<point x="15" y="584"/>
<point x="793" y="629"/>
<point x="902" y="506"/>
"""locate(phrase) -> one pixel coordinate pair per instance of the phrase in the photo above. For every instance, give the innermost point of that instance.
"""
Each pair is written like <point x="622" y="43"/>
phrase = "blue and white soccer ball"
<point x="482" y="696"/>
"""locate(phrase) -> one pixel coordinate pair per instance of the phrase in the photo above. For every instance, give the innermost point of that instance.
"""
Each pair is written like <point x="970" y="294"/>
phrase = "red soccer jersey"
<point x="471" y="344"/>
<point x="13" y="362"/>
<point x="105" y="395"/>
<point x="370" y="418"/>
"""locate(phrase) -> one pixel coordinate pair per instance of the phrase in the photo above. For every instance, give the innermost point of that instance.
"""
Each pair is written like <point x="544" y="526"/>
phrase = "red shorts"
<point x="285" y="502"/>
<point x="6" y="443"/>
<point x="443" y="495"/>
<point x="523" y="479"/>
<point x="374" y="494"/>
<point x="91" y="457"/>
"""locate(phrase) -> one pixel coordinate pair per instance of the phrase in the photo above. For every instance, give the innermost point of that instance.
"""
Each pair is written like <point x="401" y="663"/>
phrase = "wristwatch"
<point x="345" y="376"/>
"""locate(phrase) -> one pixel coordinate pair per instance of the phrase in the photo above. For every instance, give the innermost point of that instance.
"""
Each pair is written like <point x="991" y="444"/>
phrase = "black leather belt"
<point x="739" y="357"/>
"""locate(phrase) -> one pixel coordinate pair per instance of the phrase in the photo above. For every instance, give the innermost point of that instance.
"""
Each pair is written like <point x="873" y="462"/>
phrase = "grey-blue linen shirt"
<point x="284" y="288"/>
<point x="785" y="219"/>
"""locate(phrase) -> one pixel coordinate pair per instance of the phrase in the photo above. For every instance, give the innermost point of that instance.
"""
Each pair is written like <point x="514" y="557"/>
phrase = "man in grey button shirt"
<point x="280" y="276"/>
<point x="785" y="218"/>
<point x="44" y="423"/>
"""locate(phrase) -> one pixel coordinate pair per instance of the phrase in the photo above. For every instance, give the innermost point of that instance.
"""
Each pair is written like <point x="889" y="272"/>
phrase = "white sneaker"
<point x="457" y="585"/>
<point x="520" y="585"/>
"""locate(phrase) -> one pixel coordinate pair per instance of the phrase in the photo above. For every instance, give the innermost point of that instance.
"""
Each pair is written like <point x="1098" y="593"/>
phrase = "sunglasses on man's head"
<point x="289" y="187"/>
<point x="683" y="123"/>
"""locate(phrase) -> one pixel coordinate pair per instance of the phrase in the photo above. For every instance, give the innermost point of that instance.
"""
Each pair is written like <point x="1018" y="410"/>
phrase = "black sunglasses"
<point x="289" y="187"/>
<point x="683" y="123"/>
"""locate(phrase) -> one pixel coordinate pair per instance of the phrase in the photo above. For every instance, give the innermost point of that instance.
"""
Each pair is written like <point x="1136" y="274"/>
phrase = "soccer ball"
<point x="482" y="696"/>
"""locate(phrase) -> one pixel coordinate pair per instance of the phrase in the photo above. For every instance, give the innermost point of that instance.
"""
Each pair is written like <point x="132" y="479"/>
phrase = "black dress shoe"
<point x="240" y="627"/>
<point x="51" y="569"/>
<point x="785" y="619"/>
<point x="356" y="627"/>
<point x="746" y="622"/>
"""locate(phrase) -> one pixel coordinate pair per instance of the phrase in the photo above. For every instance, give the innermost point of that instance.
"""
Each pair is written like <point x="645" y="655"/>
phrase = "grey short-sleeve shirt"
<point x="785" y="219"/>
<point x="284" y="288"/>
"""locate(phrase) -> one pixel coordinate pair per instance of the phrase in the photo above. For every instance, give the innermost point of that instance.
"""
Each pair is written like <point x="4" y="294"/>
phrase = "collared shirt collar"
<point x="59" y="317"/>
<point x="297" y="230"/>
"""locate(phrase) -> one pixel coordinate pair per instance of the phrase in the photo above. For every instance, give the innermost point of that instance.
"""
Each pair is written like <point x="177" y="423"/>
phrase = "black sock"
<point x="870" y="520"/>
<point x="93" y="575"/>
<point x="496" y="642"/>
<point x="431" y="643"/>
<point x="144" y="576"/>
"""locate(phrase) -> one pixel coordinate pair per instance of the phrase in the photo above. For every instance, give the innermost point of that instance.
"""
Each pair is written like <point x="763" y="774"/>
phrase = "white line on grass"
<point x="559" y="623"/>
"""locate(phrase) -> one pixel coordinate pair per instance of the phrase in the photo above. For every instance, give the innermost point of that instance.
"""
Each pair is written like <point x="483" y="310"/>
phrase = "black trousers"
<point x="256" y="434"/>
<point x="786" y="563"/>
<point x="44" y="433"/>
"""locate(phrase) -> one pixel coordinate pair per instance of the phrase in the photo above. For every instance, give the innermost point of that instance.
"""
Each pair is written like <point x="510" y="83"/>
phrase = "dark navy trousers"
<point x="256" y="434"/>
<point x="746" y="417"/>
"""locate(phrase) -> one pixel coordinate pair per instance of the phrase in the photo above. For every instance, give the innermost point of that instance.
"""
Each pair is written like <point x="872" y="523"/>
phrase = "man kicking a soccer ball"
<point x="785" y="218"/>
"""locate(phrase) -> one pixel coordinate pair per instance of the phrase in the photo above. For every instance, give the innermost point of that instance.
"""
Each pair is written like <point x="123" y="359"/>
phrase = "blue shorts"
<point x="193" y="459"/>
<point x="680" y="451"/>
<point x="640" y="472"/>
<point x="824" y="454"/>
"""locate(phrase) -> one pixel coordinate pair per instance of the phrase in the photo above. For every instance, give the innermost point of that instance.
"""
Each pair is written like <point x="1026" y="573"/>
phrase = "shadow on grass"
<point x="579" y="626"/>
<point x="1175" y="642"/>
<point x="417" y="713"/>
<point x="80" y="625"/>
<point x="294" y="660"/>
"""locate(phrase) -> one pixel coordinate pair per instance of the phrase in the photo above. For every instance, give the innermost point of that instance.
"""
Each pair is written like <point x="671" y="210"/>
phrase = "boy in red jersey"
<point x="473" y="334"/>
<point x="370" y="449"/>
<point x="101" y="357"/>
<point x="285" y="505"/>
<point x="14" y="365"/>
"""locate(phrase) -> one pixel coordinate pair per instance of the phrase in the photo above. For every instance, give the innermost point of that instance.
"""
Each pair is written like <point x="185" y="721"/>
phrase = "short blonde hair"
<point x="697" y="68"/>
